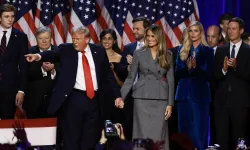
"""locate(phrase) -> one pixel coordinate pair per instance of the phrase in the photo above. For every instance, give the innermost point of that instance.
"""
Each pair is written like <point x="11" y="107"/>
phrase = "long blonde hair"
<point x="164" y="56"/>
<point x="187" y="43"/>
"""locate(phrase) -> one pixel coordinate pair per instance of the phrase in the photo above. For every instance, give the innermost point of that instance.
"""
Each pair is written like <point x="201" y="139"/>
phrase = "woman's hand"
<point x="103" y="139"/>
<point x="168" y="112"/>
<point x="193" y="62"/>
<point x="120" y="132"/>
<point x="189" y="63"/>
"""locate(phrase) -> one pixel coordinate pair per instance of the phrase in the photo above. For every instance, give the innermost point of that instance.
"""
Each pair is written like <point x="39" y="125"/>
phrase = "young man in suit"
<point x="223" y="22"/>
<point x="13" y="67"/>
<point x="84" y="72"/>
<point x="41" y="77"/>
<point x="140" y="25"/>
<point x="232" y="98"/>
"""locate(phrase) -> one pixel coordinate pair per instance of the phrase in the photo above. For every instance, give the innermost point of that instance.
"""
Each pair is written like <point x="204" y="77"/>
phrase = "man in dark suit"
<point x="13" y="67"/>
<point x="84" y="72"/>
<point x="232" y="98"/>
<point x="140" y="25"/>
<point x="41" y="77"/>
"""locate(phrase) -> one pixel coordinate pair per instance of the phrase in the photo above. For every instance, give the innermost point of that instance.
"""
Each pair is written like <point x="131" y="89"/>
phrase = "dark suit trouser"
<point x="7" y="104"/>
<point x="80" y="122"/>
<point x="193" y="122"/>
<point x="230" y="124"/>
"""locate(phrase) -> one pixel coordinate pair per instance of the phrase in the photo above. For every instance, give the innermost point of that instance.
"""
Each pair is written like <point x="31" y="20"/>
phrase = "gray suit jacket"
<point x="153" y="81"/>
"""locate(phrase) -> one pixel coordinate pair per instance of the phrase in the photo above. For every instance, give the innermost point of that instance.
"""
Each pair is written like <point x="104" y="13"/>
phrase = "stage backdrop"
<point x="172" y="15"/>
<point x="210" y="10"/>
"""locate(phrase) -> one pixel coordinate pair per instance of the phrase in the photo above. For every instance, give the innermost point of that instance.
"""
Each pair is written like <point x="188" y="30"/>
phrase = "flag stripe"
<point x="97" y="15"/>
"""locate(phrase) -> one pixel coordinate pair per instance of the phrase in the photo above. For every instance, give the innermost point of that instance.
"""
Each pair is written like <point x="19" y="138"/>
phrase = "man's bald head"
<point x="213" y="35"/>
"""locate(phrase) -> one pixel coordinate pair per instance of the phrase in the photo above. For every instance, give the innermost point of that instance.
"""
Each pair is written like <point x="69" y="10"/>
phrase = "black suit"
<point x="232" y="97"/>
<point x="79" y="115"/>
<point x="39" y="88"/>
<point x="13" y="72"/>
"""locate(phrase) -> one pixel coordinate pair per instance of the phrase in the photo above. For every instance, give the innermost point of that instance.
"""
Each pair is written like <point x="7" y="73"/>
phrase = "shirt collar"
<point x="236" y="44"/>
<point x="215" y="47"/>
<point x="198" y="47"/>
<point x="8" y="30"/>
<point x="223" y="34"/>
<point x="87" y="49"/>
<point x="140" y="43"/>
<point x="47" y="49"/>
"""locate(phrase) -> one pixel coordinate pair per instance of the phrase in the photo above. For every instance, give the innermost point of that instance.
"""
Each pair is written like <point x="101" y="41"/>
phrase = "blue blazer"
<point x="13" y="65"/>
<point x="68" y="58"/>
<point x="121" y="69"/>
<point x="194" y="84"/>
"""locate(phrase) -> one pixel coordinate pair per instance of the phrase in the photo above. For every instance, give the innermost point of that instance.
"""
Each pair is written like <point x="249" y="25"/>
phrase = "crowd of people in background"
<point x="206" y="79"/>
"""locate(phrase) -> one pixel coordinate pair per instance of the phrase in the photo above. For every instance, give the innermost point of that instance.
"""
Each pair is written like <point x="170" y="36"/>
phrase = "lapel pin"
<point x="95" y="52"/>
<point x="15" y="35"/>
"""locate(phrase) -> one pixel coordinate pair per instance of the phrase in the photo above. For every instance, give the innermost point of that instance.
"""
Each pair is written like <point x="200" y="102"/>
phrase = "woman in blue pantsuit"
<point x="194" y="70"/>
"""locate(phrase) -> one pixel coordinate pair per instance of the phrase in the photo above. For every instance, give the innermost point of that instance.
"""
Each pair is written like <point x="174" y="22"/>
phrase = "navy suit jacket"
<point x="68" y="58"/>
<point x="13" y="65"/>
<point x="233" y="88"/>
<point x="38" y="88"/>
<point x="194" y="84"/>
<point x="122" y="69"/>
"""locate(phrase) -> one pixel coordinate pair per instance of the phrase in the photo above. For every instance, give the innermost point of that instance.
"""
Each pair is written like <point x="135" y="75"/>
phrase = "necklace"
<point x="110" y="53"/>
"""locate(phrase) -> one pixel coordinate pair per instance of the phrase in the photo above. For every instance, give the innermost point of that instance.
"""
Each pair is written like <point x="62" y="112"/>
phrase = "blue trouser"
<point x="193" y="120"/>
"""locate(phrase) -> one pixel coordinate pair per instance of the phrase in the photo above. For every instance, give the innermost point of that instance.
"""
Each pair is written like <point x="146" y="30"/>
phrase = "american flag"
<point x="61" y="15"/>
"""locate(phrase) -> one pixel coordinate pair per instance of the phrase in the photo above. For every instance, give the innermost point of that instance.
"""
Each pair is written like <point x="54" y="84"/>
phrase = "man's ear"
<point x="221" y="26"/>
<point x="87" y="40"/>
<point x="241" y="31"/>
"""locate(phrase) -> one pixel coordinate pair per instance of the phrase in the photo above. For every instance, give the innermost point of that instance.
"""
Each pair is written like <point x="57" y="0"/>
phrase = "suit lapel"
<point x="133" y="48"/>
<point x="37" y="50"/>
<point x="240" y="52"/>
<point x="149" y="59"/>
<point x="95" y="53"/>
<point x="227" y="51"/>
<point x="11" y="43"/>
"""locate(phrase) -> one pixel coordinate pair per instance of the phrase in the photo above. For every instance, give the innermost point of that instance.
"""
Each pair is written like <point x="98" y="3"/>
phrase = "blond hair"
<point x="187" y="43"/>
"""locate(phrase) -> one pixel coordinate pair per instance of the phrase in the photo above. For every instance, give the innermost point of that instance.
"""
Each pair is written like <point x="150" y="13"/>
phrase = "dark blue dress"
<point x="193" y="95"/>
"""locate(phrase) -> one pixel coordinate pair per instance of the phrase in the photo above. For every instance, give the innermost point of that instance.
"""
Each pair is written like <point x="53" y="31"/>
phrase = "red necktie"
<point x="88" y="79"/>
<point x="3" y="43"/>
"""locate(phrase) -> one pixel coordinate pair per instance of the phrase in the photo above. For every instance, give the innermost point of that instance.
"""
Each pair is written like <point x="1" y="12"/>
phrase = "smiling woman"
<point x="153" y="92"/>
<point x="109" y="42"/>
<point x="194" y="65"/>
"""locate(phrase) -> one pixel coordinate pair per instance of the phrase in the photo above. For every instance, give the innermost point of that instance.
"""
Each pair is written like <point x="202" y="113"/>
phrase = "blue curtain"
<point x="210" y="11"/>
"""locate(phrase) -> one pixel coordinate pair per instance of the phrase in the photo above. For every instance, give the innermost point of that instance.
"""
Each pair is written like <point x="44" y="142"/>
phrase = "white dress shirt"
<point x="215" y="48"/>
<point x="139" y="45"/>
<point x="223" y="34"/>
<point x="7" y="34"/>
<point x="237" y="48"/>
<point x="80" y="79"/>
<point x="44" y="72"/>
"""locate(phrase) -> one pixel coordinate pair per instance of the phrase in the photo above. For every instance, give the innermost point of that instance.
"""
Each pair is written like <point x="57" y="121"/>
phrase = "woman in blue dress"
<point x="194" y="70"/>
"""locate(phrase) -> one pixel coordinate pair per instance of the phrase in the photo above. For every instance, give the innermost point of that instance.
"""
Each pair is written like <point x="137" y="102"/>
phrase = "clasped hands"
<point x="229" y="63"/>
<point x="191" y="63"/>
<point x="119" y="103"/>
